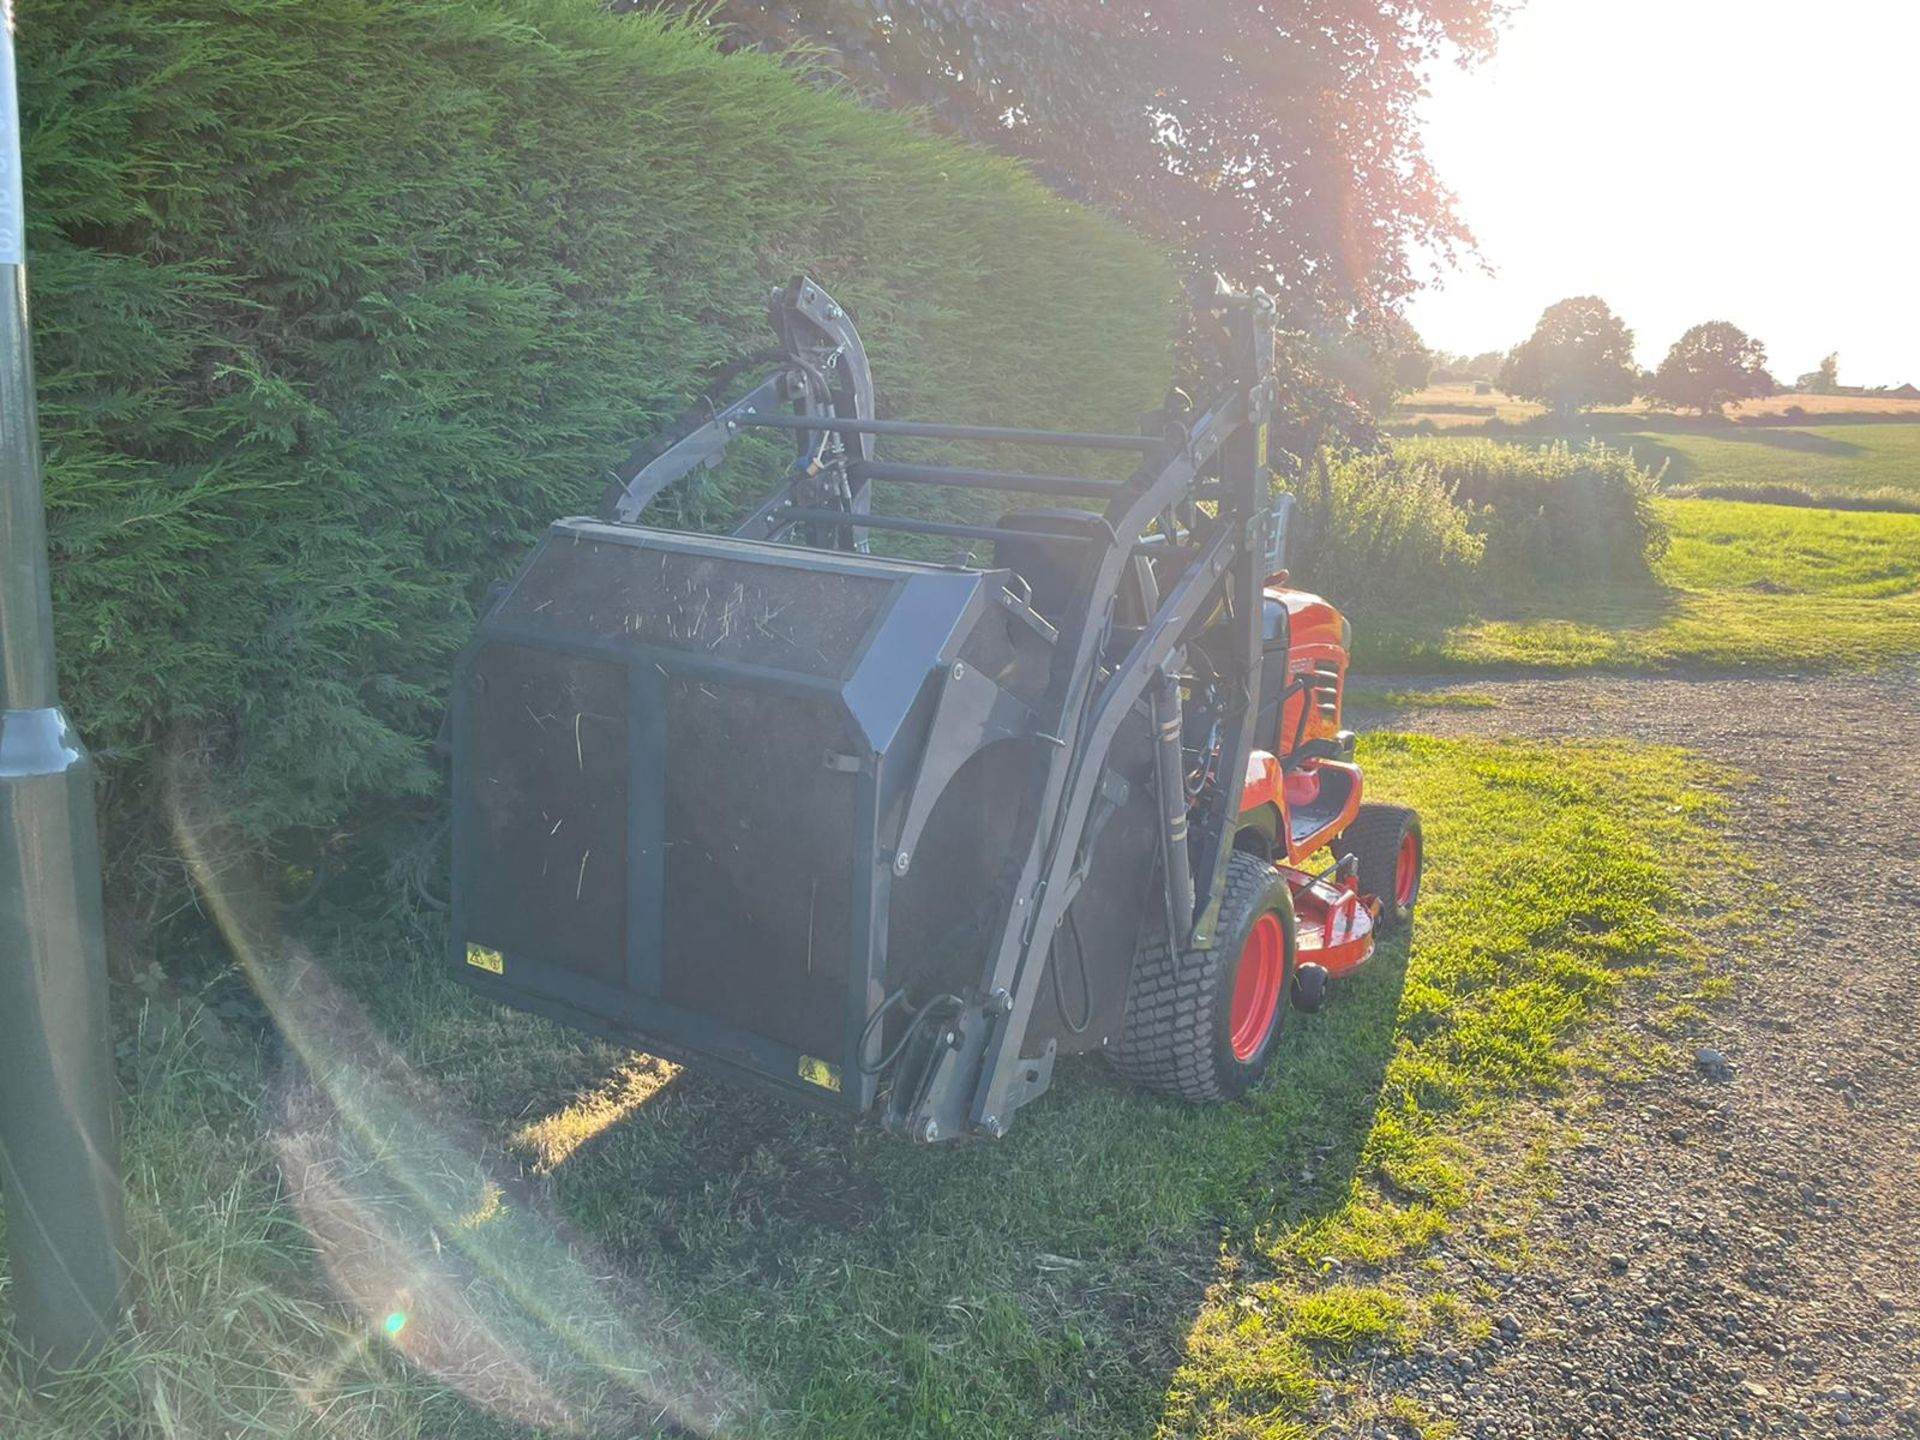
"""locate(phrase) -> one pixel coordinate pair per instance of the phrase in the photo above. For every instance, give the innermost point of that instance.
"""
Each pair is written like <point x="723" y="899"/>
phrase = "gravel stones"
<point x="1759" y="1276"/>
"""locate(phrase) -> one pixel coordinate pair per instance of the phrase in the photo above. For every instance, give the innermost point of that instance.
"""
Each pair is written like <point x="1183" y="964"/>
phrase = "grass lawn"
<point x="1864" y="463"/>
<point x="1856" y="450"/>
<point x="1744" y="584"/>
<point x="419" y="1216"/>
<point x="1455" y="406"/>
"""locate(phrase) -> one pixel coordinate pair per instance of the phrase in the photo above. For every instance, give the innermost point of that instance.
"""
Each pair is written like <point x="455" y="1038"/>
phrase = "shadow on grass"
<point x="1389" y="645"/>
<point x="1606" y="420"/>
<point x="1046" y="1283"/>
<point x="1636" y="604"/>
<point x="1449" y="408"/>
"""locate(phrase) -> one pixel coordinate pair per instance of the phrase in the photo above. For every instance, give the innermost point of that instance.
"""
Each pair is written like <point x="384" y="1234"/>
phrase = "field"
<point x="1744" y="585"/>
<point x="1455" y="405"/>
<point x="425" y="1216"/>
<point x="1859" y="451"/>
<point x="1873" y="465"/>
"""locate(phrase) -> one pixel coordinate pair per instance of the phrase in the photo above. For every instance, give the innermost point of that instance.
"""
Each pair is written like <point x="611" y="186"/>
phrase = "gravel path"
<point x="1739" y="1255"/>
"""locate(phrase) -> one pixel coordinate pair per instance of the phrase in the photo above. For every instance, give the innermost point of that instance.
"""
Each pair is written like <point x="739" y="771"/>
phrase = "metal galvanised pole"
<point x="59" y="1164"/>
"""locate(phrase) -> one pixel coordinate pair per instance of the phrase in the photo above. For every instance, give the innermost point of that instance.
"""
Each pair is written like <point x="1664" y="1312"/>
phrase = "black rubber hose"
<point x="1086" y="981"/>
<point x="913" y="1025"/>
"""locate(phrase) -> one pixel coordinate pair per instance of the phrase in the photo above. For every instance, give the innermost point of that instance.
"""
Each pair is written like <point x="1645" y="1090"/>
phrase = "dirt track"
<point x="1736" y="1256"/>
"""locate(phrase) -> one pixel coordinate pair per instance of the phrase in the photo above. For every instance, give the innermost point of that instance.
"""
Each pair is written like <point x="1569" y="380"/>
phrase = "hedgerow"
<point x="338" y="302"/>
<point x="1432" y="526"/>
<point x="1553" y="512"/>
<point x="1381" y="537"/>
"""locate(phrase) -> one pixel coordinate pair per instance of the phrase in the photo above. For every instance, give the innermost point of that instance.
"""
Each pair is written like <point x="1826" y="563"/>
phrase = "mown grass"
<point x="1454" y="405"/>
<point x="1786" y="550"/>
<point x="1806" y="464"/>
<point x="1742" y="586"/>
<point x="1359" y="696"/>
<point x="1853" y="451"/>
<point x="574" y="1237"/>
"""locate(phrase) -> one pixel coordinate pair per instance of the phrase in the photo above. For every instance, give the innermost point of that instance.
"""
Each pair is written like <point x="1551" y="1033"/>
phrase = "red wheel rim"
<point x="1406" y="871"/>
<point x="1256" y="988"/>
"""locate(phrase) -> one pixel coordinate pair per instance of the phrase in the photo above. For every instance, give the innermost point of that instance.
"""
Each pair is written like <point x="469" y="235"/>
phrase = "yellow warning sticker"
<point x="819" y="1072"/>
<point x="1261" y="442"/>
<point x="482" y="958"/>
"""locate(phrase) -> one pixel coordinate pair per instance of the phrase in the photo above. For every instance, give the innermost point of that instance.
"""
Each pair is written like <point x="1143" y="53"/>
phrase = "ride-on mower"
<point x="867" y="829"/>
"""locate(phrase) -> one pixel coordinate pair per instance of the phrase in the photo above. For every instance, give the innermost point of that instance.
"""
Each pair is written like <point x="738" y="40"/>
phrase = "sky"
<point x="1686" y="160"/>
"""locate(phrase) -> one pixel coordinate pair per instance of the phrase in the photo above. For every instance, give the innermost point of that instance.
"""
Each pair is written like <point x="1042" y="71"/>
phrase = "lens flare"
<point x="412" y="1205"/>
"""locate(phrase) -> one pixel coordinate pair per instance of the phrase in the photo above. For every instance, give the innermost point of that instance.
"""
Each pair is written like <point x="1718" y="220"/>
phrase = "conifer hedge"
<point x="338" y="302"/>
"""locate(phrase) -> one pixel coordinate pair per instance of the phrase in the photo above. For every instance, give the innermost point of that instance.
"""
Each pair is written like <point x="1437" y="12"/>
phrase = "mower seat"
<point x="1053" y="571"/>
<point x="1302" y="788"/>
<point x="1332" y="787"/>
<point x="1275" y="641"/>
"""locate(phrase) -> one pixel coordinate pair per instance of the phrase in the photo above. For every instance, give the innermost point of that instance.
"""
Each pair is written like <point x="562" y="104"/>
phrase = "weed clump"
<point x="1413" y="532"/>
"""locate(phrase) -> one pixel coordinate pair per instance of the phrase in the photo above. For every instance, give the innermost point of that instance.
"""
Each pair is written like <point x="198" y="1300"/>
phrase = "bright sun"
<point x="1749" y="160"/>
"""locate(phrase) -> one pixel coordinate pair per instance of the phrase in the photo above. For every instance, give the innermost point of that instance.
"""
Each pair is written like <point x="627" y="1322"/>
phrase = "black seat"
<point x="1053" y="571"/>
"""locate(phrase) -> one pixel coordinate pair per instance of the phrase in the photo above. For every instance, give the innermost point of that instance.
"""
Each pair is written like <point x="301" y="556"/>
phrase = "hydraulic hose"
<point x="1170" y="785"/>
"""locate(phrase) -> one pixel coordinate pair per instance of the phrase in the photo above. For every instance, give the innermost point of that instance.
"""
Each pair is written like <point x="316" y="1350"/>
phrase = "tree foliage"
<point x="1823" y="381"/>
<point x="1710" y="367"/>
<point x="1276" y="141"/>
<point x="1373" y="369"/>
<point x="339" y="302"/>
<point x="1579" y="355"/>
<point x="1451" y="368"/>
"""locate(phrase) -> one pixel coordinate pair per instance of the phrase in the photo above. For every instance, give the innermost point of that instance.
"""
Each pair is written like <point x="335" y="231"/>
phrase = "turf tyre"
<point x="1377" y="839"/>
<point x="1178" y="1033"/>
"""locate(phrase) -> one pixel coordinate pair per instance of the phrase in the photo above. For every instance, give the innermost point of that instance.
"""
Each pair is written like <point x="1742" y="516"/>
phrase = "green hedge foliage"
<point x="1382" y="538"/>
<point x="1553" y="512"/>
<point x="338" y="302"/>
<point x="1436" y="525"/>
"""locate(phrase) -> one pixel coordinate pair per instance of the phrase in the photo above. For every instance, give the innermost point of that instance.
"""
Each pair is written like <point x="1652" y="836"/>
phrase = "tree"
<point x="1377" y="368"/>
<point x="1579" y="355"/>
<point x="1411" y="371"/>
<point x="1825" y="380"/>
<point x="1709" y="366"/>
<point x="1275" y="141"/>
<point x="1485" y="366"/>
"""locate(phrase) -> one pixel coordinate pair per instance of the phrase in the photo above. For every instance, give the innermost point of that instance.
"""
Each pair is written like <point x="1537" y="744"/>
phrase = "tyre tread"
<point x="1175" y="999"/>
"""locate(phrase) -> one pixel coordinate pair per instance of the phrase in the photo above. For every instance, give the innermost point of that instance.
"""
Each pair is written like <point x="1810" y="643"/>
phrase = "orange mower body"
<point x="1304" y="795"/>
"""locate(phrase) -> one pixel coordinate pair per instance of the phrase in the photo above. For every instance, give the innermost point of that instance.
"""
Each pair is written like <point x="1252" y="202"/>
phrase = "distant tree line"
<point x="1580" y="355"/>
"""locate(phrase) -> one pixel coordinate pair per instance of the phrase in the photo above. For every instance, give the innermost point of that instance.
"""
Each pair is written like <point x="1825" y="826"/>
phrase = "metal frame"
<point x="1198" y="503"/>
<point x="59" y="1161"/>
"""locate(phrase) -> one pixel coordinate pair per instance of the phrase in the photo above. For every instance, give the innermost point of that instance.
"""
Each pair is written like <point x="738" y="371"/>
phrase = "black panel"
<point x="760" y="862"/>
<point x="945" y="910"/>
<point x="725" y="608"/>
<point x="1109" y="916"/>
<point x="544" y="769"/>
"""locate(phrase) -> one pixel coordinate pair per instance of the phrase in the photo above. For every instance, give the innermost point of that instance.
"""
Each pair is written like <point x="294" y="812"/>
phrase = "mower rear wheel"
<point x="1203" y="1024"/>
<point x="1392" y="854"/>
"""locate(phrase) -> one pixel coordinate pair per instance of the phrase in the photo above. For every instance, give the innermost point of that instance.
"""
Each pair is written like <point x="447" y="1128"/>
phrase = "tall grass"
<point x="1382" y="537"/>
<point x="1430" y="527"/>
